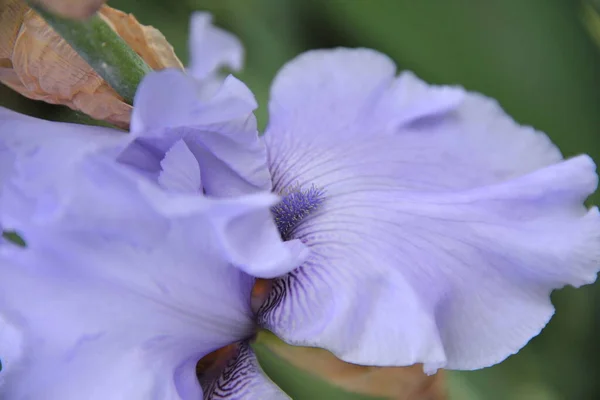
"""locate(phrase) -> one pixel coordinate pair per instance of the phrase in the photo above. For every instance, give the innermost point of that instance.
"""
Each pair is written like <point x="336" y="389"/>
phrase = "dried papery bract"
<point x="78" y="9"/>
<point x="147" y="41"/>
<point x="38" y="63"/>
<point x="11" y="19"/>
<point x="397" y="383"/>
<point x="48" y="69"/>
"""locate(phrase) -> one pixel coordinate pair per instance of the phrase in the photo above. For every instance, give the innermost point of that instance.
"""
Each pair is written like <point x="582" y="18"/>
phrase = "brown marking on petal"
<point x="211" y="365"/>
<point x="260" y="292"/>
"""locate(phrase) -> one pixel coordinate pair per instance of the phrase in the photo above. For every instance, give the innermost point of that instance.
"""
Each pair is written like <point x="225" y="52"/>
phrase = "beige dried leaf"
<point x="147" y="41"/>
<point x="36" y="62"/>
<point x="397" y="383"/>
<point x="78" y="9"/>
<point x="11" y="16"/>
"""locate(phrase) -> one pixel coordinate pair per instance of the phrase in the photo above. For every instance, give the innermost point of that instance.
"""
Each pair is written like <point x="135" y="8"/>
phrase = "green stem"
<point x="105" y="51"/>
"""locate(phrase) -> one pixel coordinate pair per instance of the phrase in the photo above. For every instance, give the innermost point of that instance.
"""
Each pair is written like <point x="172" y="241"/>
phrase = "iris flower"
<point x="141" y="248"/>
<point x="417" y="224"/>
<point x="123" y="287"/>
<point x="443" y="225"/>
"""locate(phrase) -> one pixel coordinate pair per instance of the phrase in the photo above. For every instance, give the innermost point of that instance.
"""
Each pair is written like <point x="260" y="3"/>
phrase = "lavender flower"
<point x="444" y="225"/>
<point x="123" y="287"/>
<point x="141" y="247"/>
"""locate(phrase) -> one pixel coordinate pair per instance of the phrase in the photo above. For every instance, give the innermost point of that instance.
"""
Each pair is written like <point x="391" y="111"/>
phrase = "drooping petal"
<point x="243" y="379"/>
<point x="122" y="286"/>
<point x="444" y="227"/>
<point x="23" y="137"/>
<point x="219" y="129"/>
<point x="81" y="339"/>
<point x="212" y="48"/>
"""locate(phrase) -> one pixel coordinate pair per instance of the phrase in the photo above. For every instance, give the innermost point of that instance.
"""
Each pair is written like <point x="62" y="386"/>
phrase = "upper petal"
<point x="313" y="94"/>
<point x="212" y="48"/>
<point x="444" y="226"/>
<point x="218" y="128"/>
<point x="122" y="287"/>
<point x="442" y="136"/>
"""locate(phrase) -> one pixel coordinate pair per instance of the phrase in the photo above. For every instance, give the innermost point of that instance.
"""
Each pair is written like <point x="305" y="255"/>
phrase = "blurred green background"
<point x="539" y="58"/>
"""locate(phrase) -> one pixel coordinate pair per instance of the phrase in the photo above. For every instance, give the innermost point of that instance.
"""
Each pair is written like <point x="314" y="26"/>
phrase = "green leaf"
<point x="14" y="237"/>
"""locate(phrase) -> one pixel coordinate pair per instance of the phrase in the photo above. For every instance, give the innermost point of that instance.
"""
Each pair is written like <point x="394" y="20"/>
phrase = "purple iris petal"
<point x="210" y="115"/>
<point x="444" y="227"/>
<point x="11" y="347"/>
<point x="123" y="286"/>
<point x="220" y="131"/>
<point x="212" y="48"/>
<point x="23" y="137"/>
<point x="180" y="170"/>
<point x="242" y="380"/>
<point x="188" y="143"/>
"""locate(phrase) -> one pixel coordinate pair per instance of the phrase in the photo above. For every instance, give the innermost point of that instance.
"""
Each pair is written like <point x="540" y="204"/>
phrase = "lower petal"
<point x="454" y="279"/>
<point x="122" y="287"/>
<point x="243" y="379"/>
<point x="72" y="351"/>
<point x="444" y="224"/>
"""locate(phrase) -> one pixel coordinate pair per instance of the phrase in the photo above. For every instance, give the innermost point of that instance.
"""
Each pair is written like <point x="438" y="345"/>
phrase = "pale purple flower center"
<point x="294" y="207"/>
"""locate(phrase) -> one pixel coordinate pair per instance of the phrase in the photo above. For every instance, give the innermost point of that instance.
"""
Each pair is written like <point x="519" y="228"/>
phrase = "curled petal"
<point x="245" y="230"/>
<point x="218" y="128"/>
<point x="271" y="259"/>
<point x="444" y="227"/>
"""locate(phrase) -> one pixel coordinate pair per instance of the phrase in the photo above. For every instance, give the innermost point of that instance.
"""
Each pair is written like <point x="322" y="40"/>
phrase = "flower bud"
<point x="39" y="64"/>
<point x="78" y="9"/>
